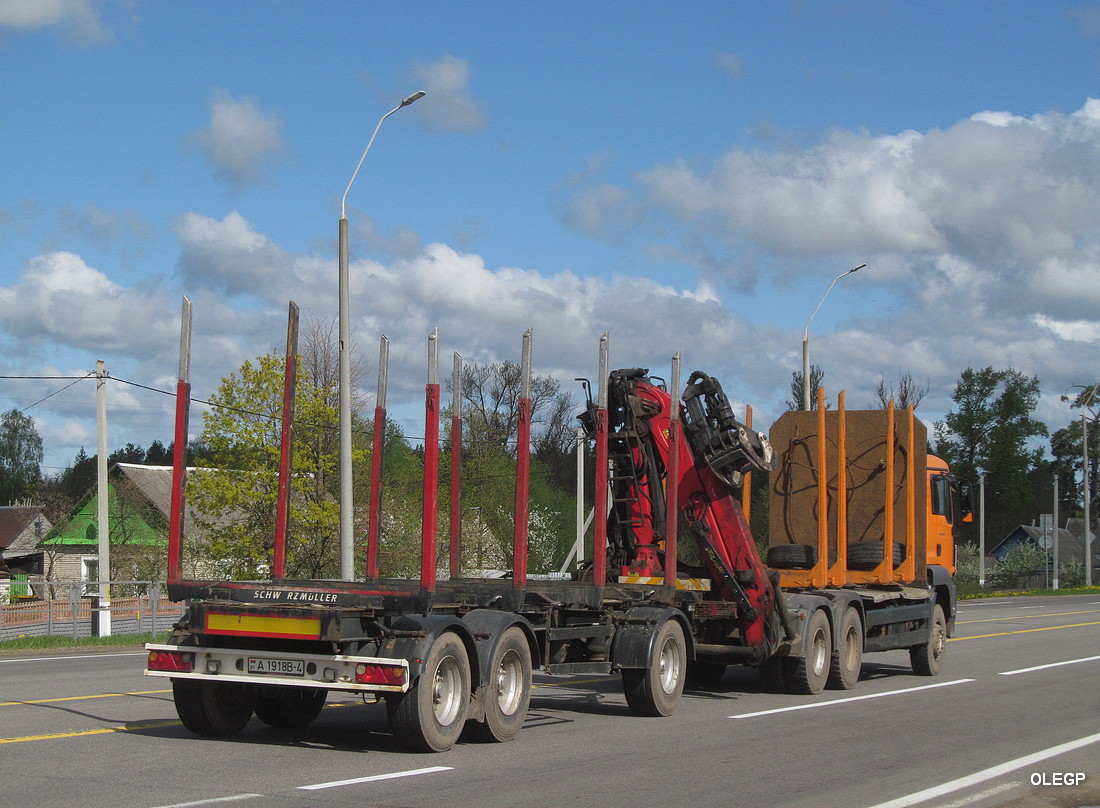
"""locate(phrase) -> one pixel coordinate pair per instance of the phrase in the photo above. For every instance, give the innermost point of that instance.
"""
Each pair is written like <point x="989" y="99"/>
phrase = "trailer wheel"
<point x="213" y="708"/>
<point x="848" y="660"/>
<point x="808" y="675"/>
<point x="927" y="659"/>
<point x="289" y="707"/>
<point x="508" y="693"/>
<point x="656" y="690"/>
<point x="430" y="716"/>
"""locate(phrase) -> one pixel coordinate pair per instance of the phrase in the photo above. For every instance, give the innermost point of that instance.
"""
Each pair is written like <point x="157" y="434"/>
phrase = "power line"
<point x="55" y="392"/>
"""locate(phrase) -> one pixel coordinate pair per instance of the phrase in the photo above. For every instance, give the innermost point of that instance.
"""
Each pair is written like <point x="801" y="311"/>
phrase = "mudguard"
<point x="486" y="626"/>
<point x="632" y="646"/>
<point x="411" y="637"/>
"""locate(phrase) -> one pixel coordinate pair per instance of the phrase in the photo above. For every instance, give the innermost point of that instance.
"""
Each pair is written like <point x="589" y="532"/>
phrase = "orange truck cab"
<point x="949" y="505"/>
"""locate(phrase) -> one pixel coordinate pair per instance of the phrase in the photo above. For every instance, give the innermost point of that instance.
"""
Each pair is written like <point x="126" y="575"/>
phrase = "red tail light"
<point x="171" y="661"/>
<point x="379" y="674"/>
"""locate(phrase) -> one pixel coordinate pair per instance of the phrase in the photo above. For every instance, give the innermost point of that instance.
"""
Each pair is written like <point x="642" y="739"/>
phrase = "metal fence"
<point x="73" y="610"/>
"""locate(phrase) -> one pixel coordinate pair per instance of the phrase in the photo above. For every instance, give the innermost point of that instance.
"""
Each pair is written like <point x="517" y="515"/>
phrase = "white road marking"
<point x="373" y="778"/>
<point x="851" y="699"/>
<point x="981" y="795"/>
<point x="1050" y="665"/>
<point x="212" y="801"/>
<point x="56" y="658"/>
<point x="989" y="774"/>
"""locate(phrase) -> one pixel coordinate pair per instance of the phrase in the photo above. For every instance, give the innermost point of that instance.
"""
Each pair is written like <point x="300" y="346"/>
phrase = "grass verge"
<point x="127" y="641"/>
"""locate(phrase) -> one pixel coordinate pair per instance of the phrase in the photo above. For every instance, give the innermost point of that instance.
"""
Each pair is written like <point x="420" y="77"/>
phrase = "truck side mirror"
<point x="966" y="500"/>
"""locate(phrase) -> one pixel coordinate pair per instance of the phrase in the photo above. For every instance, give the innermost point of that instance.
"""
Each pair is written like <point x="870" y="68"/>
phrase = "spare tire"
<point x="866" y="555"/>
<point x="792" y="556"/>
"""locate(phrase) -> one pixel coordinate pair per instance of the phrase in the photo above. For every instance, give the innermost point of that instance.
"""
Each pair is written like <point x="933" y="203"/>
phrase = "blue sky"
<point x="686" y="176"/>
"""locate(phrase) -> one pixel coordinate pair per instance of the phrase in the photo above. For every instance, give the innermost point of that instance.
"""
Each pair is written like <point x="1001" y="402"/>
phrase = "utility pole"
<point x="1085" y="465"/>
<point x="1055" y="519"/>
<point x="981" y="530"/>
<point x="102" y="514"/>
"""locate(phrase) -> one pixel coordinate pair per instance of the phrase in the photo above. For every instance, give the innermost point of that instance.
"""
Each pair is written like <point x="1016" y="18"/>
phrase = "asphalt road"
<point x="1013" y="717"/>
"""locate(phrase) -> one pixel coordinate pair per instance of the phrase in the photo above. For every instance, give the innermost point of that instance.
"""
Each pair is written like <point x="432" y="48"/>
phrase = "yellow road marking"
<point x="1022" y="631"/>
<point x="1025" y="617"/>
<point x="82" y="698"/>
<point x="79" y="733"/>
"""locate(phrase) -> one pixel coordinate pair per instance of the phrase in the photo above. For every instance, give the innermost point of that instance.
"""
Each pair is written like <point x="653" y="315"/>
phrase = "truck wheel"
<point x="848" y="660"/>
<point x="430" y="717"/>
<point x="213" y="708"/>
<point x="808" y="675"/>
<point x="927" y="659"/>
<point x="289" y="707"/>
<point x="657" y="689"/>
<point x="508" y="693"/>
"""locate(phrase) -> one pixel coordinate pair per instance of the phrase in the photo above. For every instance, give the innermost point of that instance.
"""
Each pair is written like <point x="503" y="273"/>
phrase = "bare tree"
<point x="908" y="392"/>
<point x="492" y="394"/>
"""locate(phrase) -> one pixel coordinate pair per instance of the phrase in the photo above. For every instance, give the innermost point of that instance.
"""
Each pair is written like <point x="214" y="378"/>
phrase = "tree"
<point x="990" y="432"/>
<point x="817" y="378"/>
<point x="1066" y="446"/>
<point x="491" y="395"/>
<point x="908" y="392"/>
<point x="242" y="432"/>
<point x="20" y="455"/>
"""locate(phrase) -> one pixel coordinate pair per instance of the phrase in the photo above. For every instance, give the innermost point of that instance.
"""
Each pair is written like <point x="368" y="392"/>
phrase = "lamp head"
<point x="414" y="97"/>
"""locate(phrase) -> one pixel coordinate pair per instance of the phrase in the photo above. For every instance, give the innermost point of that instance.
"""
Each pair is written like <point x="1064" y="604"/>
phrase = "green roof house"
<point x="138" y="503"/>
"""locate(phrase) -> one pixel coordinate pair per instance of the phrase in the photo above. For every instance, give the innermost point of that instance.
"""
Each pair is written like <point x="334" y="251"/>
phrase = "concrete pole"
<point x="578" y="544"/>
<point x="1088" y="527"/>
<point x="103" y="620"/>
<point x="1055" y="519"/>
<point x="981" y="531"/>
<point x="347" y="541"/>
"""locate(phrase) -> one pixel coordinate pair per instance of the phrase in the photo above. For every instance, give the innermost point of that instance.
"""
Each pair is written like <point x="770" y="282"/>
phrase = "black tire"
<point x="213" y="708"/>
<point x="430" y="716"/>
<point x="289" y="707"/>
<point x="866" y="555"/>
<point x="927" y="659"/>
<point x="792" y="556"/>
<point x="508" y="693"/>
<point x="848" y="660"/>
<point x="656" y="690"/>
<point x="808" y="675"/>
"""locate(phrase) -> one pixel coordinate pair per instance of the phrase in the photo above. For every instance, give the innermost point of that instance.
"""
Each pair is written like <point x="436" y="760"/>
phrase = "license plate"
<point x="280" y="667"/>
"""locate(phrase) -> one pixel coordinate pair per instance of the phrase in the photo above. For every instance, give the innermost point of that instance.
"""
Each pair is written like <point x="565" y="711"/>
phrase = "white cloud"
<point x="1075" y="330"/>
<point x="61" y="299"/>
<point x="78" y="17"/>
<point x="449" y="105"/>
<point x="229" y="256"/>
<point x="240" y="138"/>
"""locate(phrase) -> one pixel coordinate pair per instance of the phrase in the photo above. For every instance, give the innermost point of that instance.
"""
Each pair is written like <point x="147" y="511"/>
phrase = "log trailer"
<point x="675" y="582"/>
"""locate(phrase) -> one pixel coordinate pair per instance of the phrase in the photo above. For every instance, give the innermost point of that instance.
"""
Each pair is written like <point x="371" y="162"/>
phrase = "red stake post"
<point x="179" y="457"/>
<point x="290" y="379"/>
<point x="374" y="515"/>
<point x="456" y="467"/>
<point x="599" y="537"/>
<point x="672" y="482"/>
<point x="431" y="468"/>
<point x="523" y="469"/>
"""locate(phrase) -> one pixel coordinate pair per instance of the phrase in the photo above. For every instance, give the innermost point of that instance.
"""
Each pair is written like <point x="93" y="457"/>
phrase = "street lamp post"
<point x="806" y="338"/>
<point x="347" y="544"/>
